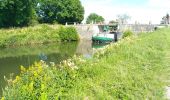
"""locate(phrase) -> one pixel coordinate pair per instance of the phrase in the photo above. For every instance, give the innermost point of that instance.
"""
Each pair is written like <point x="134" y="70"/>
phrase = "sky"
<point x="141" y="11"/>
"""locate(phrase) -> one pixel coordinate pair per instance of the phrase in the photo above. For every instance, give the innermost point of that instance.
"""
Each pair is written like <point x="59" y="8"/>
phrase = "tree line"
<point x="97" y="19"/>
<point x="18" y="13"/>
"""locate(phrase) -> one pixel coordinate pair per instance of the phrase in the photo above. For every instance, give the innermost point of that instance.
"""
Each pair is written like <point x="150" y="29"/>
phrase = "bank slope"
<point x="134" y="68"/>
<point x="39" y="34"/>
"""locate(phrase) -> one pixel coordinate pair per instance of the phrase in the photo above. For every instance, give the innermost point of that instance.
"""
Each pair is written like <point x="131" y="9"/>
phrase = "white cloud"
<point x="153" y="11"/>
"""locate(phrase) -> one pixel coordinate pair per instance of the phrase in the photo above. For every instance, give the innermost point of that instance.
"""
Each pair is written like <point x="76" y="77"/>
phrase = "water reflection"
<point x="12" y="58"/>
<point x="85" y="49"/>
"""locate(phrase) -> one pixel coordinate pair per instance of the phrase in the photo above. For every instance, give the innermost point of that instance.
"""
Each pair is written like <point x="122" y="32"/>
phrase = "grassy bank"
<point x="37" y="35"/>
<point x="134" y="68"/>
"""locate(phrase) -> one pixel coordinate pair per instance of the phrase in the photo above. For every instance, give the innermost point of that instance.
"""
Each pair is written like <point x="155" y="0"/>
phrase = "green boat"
<point x="103" y="38"/>
<point x="106" y="34"/>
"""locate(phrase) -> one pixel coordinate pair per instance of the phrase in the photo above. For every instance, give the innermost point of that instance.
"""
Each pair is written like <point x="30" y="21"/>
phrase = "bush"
<point x="127" y="33"/>
<point x="68" y="34"/>
<point x="42" y="82"/>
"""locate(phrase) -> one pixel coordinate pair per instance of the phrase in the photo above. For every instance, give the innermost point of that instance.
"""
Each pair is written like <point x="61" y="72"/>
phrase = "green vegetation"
<point x="127" y="33"/>
<point x="95" y="18"/>
<point x="68" y="34"/>
<point x="17" y="12"/>
<point x="60" y="11"/>
<point x="37" y="35"/>
<point x="21" y="13"/>
<point x="134" y="68"/>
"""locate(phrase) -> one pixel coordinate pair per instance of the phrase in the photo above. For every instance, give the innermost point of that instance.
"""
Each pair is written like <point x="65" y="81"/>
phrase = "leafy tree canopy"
<point x="17" y="12"/>
<point x="26" y="12"/>
<point x="60" y="11"/>
<point x="94" y="18"/>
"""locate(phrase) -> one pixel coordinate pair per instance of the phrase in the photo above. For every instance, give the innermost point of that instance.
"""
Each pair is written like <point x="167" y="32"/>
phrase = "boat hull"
<point x="101" y="39"/>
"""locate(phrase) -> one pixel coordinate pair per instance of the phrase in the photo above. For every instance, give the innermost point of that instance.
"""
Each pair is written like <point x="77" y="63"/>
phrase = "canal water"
<point x="12" y="58"/>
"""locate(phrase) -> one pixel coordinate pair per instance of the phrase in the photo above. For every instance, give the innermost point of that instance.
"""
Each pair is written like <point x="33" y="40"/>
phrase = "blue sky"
<point x="141" y="11"/>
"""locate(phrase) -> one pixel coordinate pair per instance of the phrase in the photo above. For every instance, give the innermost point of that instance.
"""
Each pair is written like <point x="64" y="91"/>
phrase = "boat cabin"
<point x="108" y="28"/>
<point x="107" y="33"/>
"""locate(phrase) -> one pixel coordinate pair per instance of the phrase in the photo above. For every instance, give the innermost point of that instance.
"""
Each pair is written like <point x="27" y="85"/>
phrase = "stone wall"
<point x="86" y="31"/>
<point x="137" y="28"/>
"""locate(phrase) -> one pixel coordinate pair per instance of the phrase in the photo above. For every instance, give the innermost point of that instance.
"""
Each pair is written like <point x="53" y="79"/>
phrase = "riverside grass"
<point x="132" y="69"/>
<point x="38" y="34"/>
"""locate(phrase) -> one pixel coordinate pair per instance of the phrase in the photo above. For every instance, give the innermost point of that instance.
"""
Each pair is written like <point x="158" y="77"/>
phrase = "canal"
<point x="12" y="58"/>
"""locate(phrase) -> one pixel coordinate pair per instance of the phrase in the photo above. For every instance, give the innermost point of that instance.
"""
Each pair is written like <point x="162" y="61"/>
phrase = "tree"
<point x="93" y="17"/>
<point x="165" y="19"/>
<point x="17" y="12"/>
<point x="25" y="12"/>
<point x="60" y="11"/>
<point x="123" y="18"/>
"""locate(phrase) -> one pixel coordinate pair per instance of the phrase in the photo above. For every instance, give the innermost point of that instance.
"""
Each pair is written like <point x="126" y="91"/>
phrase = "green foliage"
<point x="93" y="17"/>
<point x="17" y="13"/>
<point x="29" y="12"/>
<point x="127" y="33"/>
<point x="68" y="34"/>
<point x="39" y="81"/>
<point x="36" y="35"/>
<point x="131" y="69"/>
<point x="51" y="11"/>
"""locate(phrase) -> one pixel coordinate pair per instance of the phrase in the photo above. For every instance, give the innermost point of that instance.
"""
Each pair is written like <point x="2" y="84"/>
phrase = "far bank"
<point x="39" y="34"/>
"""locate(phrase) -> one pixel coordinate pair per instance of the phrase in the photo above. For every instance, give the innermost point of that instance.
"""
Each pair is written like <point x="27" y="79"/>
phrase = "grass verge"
<point x="134" y="68"/>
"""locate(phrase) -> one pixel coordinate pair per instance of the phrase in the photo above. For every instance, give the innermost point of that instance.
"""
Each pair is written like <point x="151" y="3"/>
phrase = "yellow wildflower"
<point x="22" y="69"/>
<point x="31" y="86"/>
<point x="35" y="74"/>
<point x="42" y="87"/>
<point x="2" y="98"/>
<point x="16" y="79"/>
<point x="40" y="69"/>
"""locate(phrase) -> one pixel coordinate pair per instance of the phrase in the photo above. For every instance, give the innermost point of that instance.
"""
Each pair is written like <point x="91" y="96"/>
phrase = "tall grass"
<point x="36" y="35"/>
<point x="127" y="33"/>
<point x="133" y="68"/>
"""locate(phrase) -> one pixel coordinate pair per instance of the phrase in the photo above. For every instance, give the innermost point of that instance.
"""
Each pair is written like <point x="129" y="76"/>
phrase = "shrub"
<point x="42" y="81"/>
<point x="127" y="33"/>
<point x="68" y="34"/>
